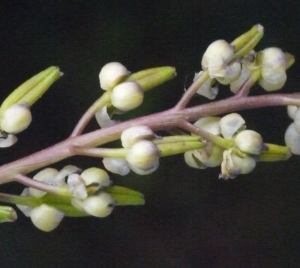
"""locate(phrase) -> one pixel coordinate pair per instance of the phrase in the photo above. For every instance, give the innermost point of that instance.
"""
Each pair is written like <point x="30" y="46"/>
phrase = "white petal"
<point x="230" y="124"/>
<point x="292" y="139"/>
<point x="7" y="141"/>
<point x="103" y="118"/>
<point x="116" y="165"/>
<point x="77" y="186"/>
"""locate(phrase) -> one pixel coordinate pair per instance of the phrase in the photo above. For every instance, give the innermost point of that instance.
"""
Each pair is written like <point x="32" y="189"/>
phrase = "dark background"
<point x="191" y="219"/>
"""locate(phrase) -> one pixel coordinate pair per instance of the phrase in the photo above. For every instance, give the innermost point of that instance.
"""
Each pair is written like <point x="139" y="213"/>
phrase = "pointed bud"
<point x="127" y="96"/>
<point x="152" y="77"/>
<point x="112" y="74"/>
<point x="143" y="157"/>
<point x="46" y="218"/>
<point x="16" y="118"/>
<point x="31" y="90"/>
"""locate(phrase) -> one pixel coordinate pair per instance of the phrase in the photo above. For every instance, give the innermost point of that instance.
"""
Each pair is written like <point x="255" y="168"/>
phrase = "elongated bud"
<point x="96" y="175"/>
<point x="46" y="218"/>
<point x="230" y="124"/>
<point x="112" y="74"/>
<point x="100" y="205"/>
<point x="31" y="90"/>
<point x="134" y="134"/>
<point x="249" y="142"/>
<point x="16" y="118"/>
<point x="152" y="77"/>
<point x="127" y="96"/>
<point x="143" y="157"/>
<point x="7" y="214"/>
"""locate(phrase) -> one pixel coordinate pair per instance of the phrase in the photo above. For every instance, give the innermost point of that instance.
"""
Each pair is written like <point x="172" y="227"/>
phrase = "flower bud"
<point x="134" y="134"/>
<point x="16" y="118"/>
<point x="116" y="165"/>
<point x="235" y="73"/>
<point x="292" y="139"/>
<point x="46" y="175"/>
<point x="210" y="124"/>
<point x="273" y="65"/>
<point x="291" y="110"/>
<point x="143" y="157"/>
<point x="46" y="218"/>
<point x="111" y="74"/>
<point x="297" y="120"/>
<point x="100" y="205"/>
<point x="237" y="84"/>
<point x="192" y="161"/>
<point x="216" y="57"/>
<point x="249" y="142"/>
<point x="245" y="164"/>
<point x="127" y="96"/>
<point x="230" y="124"/>
<point x="96" y="175"/>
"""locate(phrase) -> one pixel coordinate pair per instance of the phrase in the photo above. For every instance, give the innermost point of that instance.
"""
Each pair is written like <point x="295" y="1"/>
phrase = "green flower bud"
<point x="143" y="157"/>
<point x="249" y="142"/>
<point x="96" y="175"/>
<point x="16" y="118"/>
<point x="112" y="74"/>
<point x="134" y="134"/>
<point x="100" y="205"/>
<point x="46" y="218"/>
<point x="216" y="58"/>
<point x="7" y="214"/>
<point x="127" y="96"/>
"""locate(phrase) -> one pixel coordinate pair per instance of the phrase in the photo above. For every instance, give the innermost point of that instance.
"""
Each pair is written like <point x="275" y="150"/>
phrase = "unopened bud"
<point x="134" y="134"/>
<point x="127" y="96"/>
<point x="100" y="205"/>
<point x="249" y="142"/>
<point x="96" y="175"/>
<point x="16" y="118"/>
<point x="111" y="74"/>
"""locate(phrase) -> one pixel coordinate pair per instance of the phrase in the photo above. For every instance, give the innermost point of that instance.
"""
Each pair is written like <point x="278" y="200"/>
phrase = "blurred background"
<point x="191" y="218"/>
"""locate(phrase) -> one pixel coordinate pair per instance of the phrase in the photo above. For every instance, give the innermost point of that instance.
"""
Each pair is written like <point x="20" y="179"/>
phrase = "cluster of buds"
<point x="229" y="64"/>
<point x="77" y="194"/>
<point x="232" y="146"/>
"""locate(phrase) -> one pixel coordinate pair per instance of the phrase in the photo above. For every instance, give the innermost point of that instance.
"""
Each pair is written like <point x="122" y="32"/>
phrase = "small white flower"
<point x="131" y="135"/>
<point x="211" y="124"/>
<point x="77" y="186"/>
<point x="236" y="69"/>
<point x="249" y="142"/>
<point x="96" y="175"/>
<point x="230" y="124"/>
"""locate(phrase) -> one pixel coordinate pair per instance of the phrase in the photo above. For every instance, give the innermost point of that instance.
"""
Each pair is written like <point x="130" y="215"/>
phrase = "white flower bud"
<point x="230" y="124"/>
<point x="143" y="157"/>
<point x="236" y="69"/>
<point x="291" y="110"/>
<point x="191" y="161"/>
<point x="7" y="141"/>
<point x="210" y="124"/>
<point x="292" y="139"/>
<point x="116" y="165"/>
<point x="111" y="74"/>
<point x="127" y="96"/>
<point x="100" y="205"/>
<point x="133" y="134"/>
<point x="96" y="175"/>
<point x="46" y="218"/>
<point x="46" y="175"/>
<point x="16" y="118"/>
<point x="245" y="164"/>
<point x="249" y="142"/>
<point x="206" y="90"/>
<point x="216" y="57"/>
<point x="273" y="66"/>
<point x="77" y="186"/>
